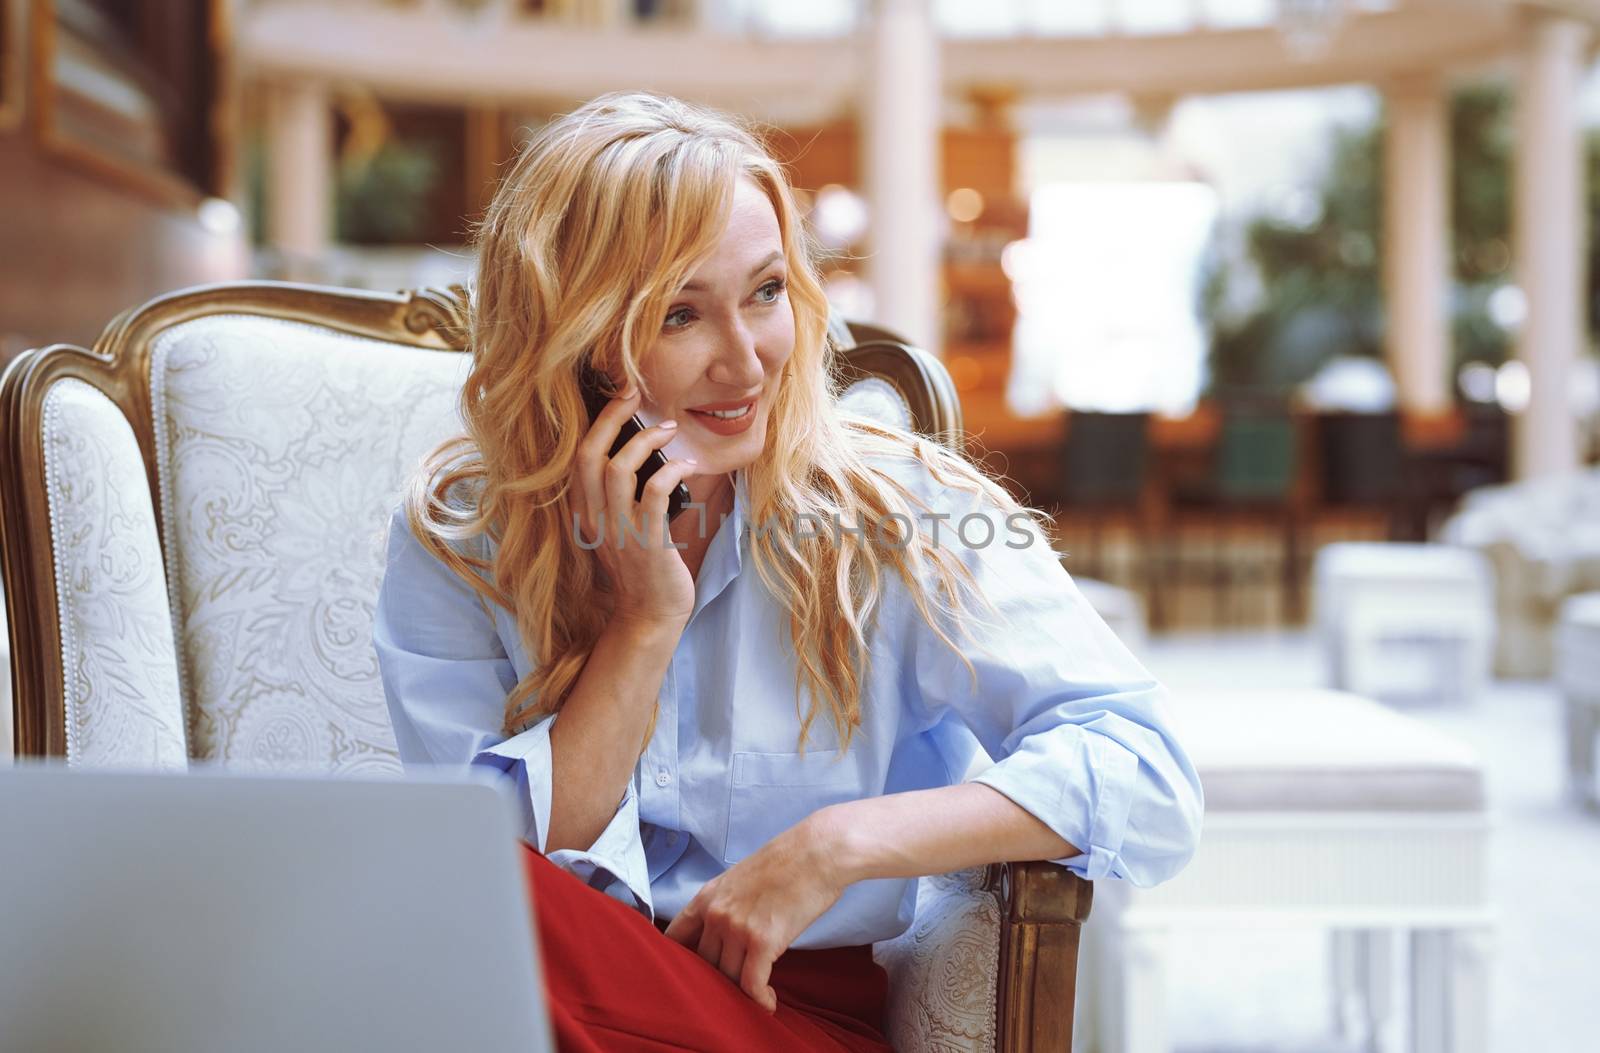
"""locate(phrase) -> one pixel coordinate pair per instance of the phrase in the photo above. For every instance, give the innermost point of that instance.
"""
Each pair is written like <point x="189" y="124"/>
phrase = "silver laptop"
<point x="209" y="911"/>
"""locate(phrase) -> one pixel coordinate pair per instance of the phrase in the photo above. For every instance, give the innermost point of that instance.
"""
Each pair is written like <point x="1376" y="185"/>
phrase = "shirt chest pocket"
<point x="771" y="792"/>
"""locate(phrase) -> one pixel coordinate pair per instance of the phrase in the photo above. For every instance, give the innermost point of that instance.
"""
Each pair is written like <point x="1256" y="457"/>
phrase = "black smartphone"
<point x="597" y="392"/>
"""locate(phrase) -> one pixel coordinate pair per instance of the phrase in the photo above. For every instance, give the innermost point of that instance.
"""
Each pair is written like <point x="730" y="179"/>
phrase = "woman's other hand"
<point x="744" y="918"/>
<point x="651" y="583"/>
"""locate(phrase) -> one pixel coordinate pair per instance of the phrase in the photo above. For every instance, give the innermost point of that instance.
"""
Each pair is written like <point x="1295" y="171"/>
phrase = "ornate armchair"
<point x="191" y="530"/>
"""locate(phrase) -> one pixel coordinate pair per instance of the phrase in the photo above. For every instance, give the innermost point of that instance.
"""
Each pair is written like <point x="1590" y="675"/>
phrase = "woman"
<point x="750" y="725"/>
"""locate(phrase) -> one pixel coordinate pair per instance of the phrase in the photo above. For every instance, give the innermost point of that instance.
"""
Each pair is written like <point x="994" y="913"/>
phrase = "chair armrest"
<point x="942" y="982"/>
<point x="1042" y="910"/>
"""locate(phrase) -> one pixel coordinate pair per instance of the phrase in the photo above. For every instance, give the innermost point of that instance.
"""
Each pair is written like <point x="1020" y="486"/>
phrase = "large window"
<point x="1107" y="297"/>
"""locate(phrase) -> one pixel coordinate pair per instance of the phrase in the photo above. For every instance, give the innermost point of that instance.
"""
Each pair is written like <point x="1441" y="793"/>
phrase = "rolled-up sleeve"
<point x="1078" y="728"/>
<point x="446" y="676"/>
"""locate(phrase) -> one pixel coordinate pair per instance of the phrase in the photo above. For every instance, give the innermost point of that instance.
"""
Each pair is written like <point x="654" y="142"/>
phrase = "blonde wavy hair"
<point x="602" y="218"/>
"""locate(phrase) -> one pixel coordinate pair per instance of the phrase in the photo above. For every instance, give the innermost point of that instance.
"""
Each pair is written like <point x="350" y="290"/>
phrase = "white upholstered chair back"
<point x="281" y="449"/>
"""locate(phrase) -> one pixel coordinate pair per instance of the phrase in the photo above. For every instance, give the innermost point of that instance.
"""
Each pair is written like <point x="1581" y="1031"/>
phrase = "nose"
<point x="737" y="363"/>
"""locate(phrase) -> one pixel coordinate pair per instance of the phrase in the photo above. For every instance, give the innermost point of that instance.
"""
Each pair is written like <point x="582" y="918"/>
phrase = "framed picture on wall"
<point x="126" y="92"/>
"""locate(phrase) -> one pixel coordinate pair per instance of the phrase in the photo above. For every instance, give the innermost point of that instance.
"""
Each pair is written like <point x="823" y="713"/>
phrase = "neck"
<point x="715" y="493"/>
<point x="710" y="489"/>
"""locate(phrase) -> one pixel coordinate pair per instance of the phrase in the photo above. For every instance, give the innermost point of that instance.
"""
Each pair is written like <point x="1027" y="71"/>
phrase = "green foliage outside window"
<point x="384" y="199"/>
<point x="1321" y="284"/>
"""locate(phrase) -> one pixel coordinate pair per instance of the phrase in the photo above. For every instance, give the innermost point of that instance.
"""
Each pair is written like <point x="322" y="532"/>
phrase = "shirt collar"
<point x="741" y="507"/>
<point x="724" y="556"/>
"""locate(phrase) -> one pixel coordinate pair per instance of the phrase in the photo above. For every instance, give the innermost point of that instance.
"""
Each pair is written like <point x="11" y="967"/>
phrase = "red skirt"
<point x="617" y="983"/>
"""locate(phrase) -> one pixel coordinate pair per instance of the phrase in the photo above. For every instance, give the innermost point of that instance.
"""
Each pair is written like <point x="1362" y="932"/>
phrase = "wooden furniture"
<point x="1104" y="473"/>
<point x="1361" y="467"/>
<point x="1252" y="481"/>
<point x="1385" y="477"/>
<point x="191" y="533"/>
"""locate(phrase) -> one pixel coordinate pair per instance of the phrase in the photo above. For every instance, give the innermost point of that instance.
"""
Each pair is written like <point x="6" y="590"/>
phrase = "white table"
<point x="1322" y="808"/>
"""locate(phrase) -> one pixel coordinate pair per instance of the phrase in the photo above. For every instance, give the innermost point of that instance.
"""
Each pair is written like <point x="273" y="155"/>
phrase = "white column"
<point x="901" y="157"/>
<point x="1548" y="235"/>
<point x="1416" y="242"/>
<point x="299" y="173"/>
<point x="606" y="14"/>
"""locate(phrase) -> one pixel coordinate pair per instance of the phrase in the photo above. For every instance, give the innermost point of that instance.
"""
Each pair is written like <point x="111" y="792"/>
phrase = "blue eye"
<point x="774" y="288"/>
<point x="678" y="312"/>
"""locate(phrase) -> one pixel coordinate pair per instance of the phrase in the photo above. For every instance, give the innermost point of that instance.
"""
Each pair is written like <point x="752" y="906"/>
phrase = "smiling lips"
<point x="725" y="418"/>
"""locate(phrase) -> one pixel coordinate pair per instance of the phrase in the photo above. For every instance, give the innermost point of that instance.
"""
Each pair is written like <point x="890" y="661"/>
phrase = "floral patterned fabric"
<point x="282" y="449"/>
<point x="944" y="970"/>
<point x="121" y="673"/>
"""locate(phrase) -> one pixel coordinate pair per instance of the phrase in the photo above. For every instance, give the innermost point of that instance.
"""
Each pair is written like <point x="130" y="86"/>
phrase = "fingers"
<point x="743" y="957"/>
<point x="685" y="928"/>
<point x="754" y="975"/>
<point x="710" y="946"/>
<point x="598" y="440"/>
<point x="731" y="960"/>
<point x="658" y="494"/>
<point x="622" y="471"/>
<point x="593" y="453"/>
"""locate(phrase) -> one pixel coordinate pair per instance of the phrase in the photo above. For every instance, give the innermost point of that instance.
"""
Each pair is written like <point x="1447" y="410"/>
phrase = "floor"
<point x="1266" y="990"/>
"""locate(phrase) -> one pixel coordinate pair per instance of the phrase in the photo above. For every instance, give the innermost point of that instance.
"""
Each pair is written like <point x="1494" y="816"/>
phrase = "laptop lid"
<point x="207" y="910"/>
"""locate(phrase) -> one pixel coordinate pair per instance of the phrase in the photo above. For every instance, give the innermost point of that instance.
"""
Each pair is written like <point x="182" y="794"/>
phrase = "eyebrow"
<point x="757" y="269"/>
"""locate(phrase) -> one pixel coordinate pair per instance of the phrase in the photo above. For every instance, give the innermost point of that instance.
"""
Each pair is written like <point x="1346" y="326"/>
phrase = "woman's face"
<point x="717" y="363"/>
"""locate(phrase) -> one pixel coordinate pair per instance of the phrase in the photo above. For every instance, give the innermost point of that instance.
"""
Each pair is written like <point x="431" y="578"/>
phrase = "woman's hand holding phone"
<point x="651" y="583"/>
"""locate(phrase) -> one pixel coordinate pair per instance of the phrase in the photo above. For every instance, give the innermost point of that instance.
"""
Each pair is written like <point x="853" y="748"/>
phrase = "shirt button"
<point x="662" y="778"/>
<point x="672" y="838"/>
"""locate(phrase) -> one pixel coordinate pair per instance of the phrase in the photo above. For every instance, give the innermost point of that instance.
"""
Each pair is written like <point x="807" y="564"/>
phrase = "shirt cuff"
<point x="615" y="863"/>
<point x="1091" y="814"/>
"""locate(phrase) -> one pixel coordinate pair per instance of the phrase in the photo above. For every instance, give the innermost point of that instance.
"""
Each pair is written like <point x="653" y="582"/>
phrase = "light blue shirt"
<point x="1079" y="729"/>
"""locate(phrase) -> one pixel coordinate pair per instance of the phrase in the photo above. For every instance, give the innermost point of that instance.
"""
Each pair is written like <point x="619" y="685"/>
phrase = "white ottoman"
<point x="1327" y="809"/>
<point x="1578" y="673"/>
<point x="1405" y="622"/>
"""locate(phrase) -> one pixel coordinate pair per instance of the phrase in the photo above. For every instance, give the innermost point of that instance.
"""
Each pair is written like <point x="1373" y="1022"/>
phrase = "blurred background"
<point x="1244" y="293"/>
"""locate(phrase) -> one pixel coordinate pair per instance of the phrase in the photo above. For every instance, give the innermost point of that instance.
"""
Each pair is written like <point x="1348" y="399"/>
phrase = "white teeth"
<point x="729" y="414"/>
